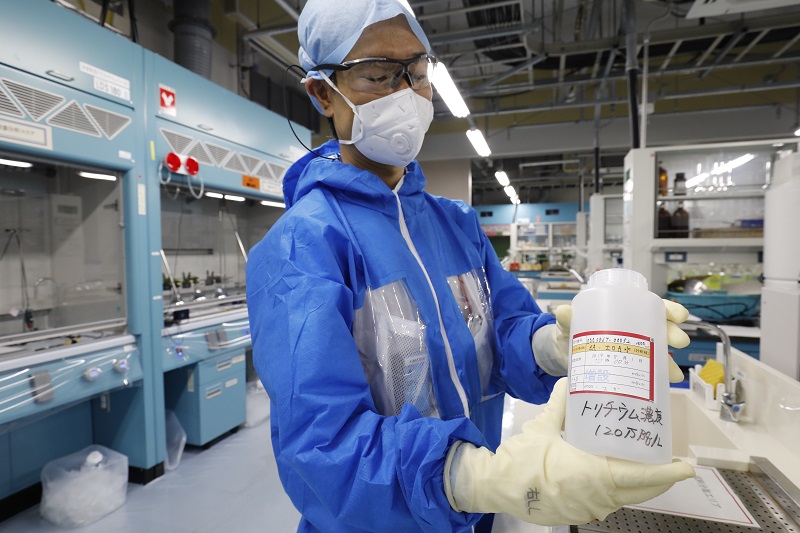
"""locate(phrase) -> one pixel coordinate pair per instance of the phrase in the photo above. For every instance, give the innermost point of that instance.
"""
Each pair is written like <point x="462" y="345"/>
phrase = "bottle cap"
<point x="618" y="277"/>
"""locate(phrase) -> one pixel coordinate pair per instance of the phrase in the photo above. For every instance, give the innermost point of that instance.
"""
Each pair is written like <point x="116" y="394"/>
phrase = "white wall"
<point x="452" y="179"/>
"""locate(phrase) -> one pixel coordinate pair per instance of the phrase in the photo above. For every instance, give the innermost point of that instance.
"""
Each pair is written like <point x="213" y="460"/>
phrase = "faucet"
<point x="732" y="401"/>
<point x="42" y="280"/>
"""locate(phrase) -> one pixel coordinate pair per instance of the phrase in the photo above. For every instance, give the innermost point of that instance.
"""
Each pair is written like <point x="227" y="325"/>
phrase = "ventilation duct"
<point x="193" y="35"/>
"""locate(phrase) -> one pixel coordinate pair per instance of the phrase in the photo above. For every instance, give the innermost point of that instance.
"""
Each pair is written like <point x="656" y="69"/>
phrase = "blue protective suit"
<point x="347" y="461"/>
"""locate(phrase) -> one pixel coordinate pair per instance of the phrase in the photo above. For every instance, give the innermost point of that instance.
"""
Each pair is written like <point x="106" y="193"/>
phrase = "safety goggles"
<point x="382" y="75"/>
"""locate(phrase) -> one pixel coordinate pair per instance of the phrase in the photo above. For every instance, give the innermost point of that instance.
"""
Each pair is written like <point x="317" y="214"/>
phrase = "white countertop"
<point x="770" y="428"/>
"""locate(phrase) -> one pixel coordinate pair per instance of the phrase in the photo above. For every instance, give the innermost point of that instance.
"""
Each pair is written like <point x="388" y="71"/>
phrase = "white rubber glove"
<point x="537" y="477"/>
<point x="551" y="343"/>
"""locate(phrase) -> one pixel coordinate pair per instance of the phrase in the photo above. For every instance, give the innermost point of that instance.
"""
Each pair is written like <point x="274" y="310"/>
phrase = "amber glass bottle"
<point x="663" y="185"/>
<point x="680" y="222"/>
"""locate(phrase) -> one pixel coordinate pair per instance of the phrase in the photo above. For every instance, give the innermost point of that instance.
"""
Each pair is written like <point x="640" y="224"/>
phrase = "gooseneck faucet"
<point x="732" y="401"/>
<point x="55" y="289"/>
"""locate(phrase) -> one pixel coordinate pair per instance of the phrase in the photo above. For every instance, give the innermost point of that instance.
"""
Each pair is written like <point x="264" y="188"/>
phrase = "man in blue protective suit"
<point x="386" y="331"/>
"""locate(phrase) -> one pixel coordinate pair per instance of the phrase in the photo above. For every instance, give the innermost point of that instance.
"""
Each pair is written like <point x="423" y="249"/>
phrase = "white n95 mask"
<point x="390" y="130"/>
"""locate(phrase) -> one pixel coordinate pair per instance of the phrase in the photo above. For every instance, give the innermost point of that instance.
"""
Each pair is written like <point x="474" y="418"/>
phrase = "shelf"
<point x="707" y="244"/>
<point x="728" y="195"/>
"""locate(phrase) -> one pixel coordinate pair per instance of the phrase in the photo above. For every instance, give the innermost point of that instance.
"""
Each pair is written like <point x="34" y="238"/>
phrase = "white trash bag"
<point x="81" y="488"/>
<point x="176" y="440"/>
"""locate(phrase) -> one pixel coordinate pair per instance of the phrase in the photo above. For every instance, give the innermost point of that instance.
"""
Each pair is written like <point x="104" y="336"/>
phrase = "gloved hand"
<point x="537" y="477"/>
<point x="551" y="343"/>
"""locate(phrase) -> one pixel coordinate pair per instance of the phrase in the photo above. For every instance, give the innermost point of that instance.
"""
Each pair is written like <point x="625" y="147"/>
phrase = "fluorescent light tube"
<point x="447" y="90"/>
<point x="478" y="142"/>
<point x="720" y="169"/>
<point x="797" y="132"/>
<point x="95" y="176"/>
<point x="273" y="204"/>
<point x="502" y="178"/>
<point x="12" y="163"/>
<point x="233" y="198"/>
<point x="214" y="195"/>
<point x="510" y="192"/>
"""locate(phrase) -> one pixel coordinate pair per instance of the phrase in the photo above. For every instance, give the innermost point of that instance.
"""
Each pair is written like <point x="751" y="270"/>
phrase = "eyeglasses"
<point x="382" y="75"/>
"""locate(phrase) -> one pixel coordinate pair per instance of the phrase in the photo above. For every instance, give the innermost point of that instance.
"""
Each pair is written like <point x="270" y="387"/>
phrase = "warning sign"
<point x="166" y="101"/>
<point x="251" y="183"/>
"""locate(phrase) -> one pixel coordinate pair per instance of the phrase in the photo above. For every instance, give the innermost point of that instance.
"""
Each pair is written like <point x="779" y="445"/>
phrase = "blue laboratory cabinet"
<point x="205" y="374"/>
<point x="76" y="95"/>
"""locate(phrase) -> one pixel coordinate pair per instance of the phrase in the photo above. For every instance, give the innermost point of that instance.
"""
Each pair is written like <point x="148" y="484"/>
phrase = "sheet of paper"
<point x="706" y="496"/>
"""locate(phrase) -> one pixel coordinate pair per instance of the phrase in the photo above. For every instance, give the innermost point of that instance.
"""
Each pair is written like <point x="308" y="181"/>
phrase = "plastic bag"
<point x="176" y="440"/>
<point x="81" y="488"/>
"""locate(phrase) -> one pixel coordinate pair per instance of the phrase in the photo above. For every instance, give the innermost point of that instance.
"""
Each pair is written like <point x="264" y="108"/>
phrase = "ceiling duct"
<point x="193" y="35"/>
<point x="497" y="16"/>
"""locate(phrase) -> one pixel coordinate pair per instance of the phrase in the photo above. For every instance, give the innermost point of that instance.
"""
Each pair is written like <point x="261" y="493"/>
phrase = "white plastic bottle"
<point x="618" y="403"/>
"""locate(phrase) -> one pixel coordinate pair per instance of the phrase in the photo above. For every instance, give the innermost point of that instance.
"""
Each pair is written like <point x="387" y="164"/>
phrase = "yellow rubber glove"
<point x="537" y="477"/>
<point x="551" y="343"/>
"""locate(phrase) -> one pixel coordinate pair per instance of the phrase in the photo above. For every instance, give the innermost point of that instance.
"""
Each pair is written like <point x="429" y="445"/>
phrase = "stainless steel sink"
<point x="771" y="498"/>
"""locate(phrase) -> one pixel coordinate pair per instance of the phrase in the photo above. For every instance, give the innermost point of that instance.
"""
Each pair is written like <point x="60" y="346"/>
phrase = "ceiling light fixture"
<point x="269" y="203"/>
<point x="96" y="176"/>
<point x="12" y="163"/>
<point x="447" y="89"/>
<point x="479" y="142"/>
<point x="720" y="169"/>
<point x="502" y="178"/>
<point x="214" y="195"/>
<point x="233" y="198"/>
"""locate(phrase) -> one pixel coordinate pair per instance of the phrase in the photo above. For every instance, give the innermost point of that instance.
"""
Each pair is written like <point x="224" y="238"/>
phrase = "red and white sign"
<point x="166" y="101"/>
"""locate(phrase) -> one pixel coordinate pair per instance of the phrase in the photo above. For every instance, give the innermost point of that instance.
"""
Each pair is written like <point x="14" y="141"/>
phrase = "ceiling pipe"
<point x="459" y="11"/>
<point x="289" y="9"/>
<point x="193" y="35"/>
<point x="510" y="72"/>
<point x="645" y="71"/>
<point x="742" y="89"/>
<point x="584" y="80"/>
<point x="732" y="42"/>
<point x="484" y="32"/>
<point x="632" y="69"/>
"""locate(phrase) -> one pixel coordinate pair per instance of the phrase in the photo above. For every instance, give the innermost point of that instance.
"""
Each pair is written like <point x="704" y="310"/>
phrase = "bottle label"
<point x="612" y="362"/>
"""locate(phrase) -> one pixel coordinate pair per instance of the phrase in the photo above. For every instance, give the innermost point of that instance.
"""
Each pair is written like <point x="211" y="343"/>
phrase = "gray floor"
<point x="232" y="486"/>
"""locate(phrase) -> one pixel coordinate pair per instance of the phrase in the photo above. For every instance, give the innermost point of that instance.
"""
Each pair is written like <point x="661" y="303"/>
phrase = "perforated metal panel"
<point x="110" y="123"/>
<point x="234" y="163"/>
<point x="219" y="153"/>
<point x="277" y="171"/>
<point x="769" y="505"/>
<point x="199" y="152"/>
<point x="262" y="171"/>
<point x="8" y="107"/>
<point x="36" y="102"/>
<point x="250" y="162"/>
<point x="72" y="117"/>
<point x="177" y="142"/>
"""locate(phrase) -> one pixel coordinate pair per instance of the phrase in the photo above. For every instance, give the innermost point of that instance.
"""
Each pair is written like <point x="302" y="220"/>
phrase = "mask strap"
<point x="349" y="103"/>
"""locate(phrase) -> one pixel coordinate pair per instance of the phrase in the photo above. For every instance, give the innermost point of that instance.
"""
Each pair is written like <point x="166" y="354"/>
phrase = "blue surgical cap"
<point x="328" y="29"/>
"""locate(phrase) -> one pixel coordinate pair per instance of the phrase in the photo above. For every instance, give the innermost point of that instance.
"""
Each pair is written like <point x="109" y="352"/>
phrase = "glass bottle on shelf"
<point x="680" y="222"/>
<point x="664" y="222"/>
<point x="679" y="188"/>
<point x="663" y="181"/>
